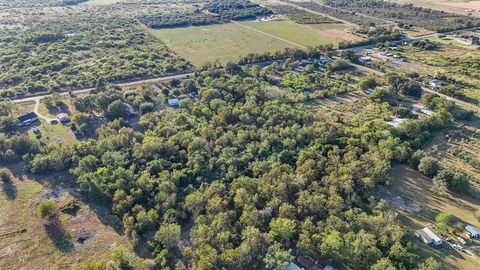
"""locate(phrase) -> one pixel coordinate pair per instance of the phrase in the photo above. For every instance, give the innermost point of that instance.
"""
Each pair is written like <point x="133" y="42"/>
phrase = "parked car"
<point x="461" y="240"/>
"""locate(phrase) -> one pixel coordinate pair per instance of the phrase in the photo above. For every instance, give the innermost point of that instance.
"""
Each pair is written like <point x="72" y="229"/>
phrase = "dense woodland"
<point x="241" y="178"/>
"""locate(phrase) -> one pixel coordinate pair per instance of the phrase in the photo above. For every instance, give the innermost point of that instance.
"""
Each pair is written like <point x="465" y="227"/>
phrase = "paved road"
<point x="86" y="90"/>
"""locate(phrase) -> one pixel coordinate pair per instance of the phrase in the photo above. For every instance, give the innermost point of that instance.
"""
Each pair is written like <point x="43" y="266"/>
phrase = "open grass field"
<point x="451" y="40"/>
<point x="454" y="6"/>
<point x="28" y="242"/>
<point x="410" y="195"/>
<point x="306" y="35"/>
<point x="225" y="42"/>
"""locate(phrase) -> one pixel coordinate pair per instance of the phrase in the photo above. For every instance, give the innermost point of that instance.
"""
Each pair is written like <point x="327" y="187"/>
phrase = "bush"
<point x="428" y="166"/>
<point x="47" y="209"/>
<point x="5" y="175"/>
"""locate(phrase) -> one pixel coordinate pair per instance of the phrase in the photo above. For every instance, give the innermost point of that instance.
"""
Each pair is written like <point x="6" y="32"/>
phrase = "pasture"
<point x="308" y="35"/>
<point x="223" y="43"/>
<point x="410" y="195"/>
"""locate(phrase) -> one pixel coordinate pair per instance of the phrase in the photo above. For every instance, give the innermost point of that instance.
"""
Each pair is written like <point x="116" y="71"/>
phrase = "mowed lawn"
<point x="308" y="35"/>
<point x="224" y="42"/>
<point x="411" y="189"/>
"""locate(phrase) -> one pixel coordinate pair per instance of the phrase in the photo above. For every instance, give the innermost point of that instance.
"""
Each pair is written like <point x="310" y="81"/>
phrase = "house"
<point x="420" y="109"/>
<point x="435" y="83"/>
<point x="36" y="130"/>
<point x="396" y="122"/>
<point x="63" y="118"/>
<point x="365" y="59"/>
<point x="323" y="61"/>
<point x="429" y="237"/>
<point x="329" y="267"/>
<point x="474" y="40"/>
<point x="27" y="119"/>
<point x="472" y="231"/>
<point x="174" y="102"/>
<point x="292" y="266"/>
<point x="308" y="263"/>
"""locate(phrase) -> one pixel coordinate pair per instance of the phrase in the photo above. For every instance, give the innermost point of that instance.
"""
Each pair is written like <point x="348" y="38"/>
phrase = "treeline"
<point x="212" y="13"/>
<point x="252" y="179"/>
<point x="407" y="15"/>
<point x="337" y="13"/>
<point x="309" y="18"/>
<point x="377" y="35"/>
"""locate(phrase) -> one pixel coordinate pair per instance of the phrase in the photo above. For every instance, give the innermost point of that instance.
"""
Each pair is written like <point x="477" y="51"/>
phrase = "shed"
<point x="428" y="236"/>
<point x="26" y="119"/>
<point x="174" y="102"/>
<point x="435" y="83"/>
<point x="63" y="118"/>
<point x="472" y="231"/>
<point x="323" y="61"/>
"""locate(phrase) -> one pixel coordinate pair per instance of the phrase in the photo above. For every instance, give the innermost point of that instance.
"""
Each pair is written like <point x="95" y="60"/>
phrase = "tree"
<point x="117" y="109"/>
<point x="282" y="229"/>
<point x="430" y="264"/>
<point x="383" y="264"/>
<point x="443" y="221"/>
<point x="428" y="166"/>
<point x="168" y="235"/>
<point x="233" y="68"/>
<point x="5" y="175"/>
<point x="277" y="256"/>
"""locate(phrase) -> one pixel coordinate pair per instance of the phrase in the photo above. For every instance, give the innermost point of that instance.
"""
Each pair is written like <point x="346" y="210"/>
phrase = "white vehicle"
<point x="461" y="240"/>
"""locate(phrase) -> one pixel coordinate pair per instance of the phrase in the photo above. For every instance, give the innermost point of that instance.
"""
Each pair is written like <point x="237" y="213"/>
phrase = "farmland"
<point x="224" y="42"/>
<point x="308" y="35"/>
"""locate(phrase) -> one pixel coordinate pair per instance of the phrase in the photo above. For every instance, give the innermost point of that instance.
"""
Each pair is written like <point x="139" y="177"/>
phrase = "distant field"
<point x="410" y="190"/>
<point x="226" y="42"/>
<point x="455" y="6"/>
<point x="103" y="2"/>
<point x="306" y="35"/>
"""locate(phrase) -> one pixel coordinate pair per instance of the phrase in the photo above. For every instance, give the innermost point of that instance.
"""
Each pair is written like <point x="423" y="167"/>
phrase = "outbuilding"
<point x="174" y="102"/>
<point x="27" y="119"/>
<point x="472" y="231"/>
<point x="63" y="118"/>
<point x="429" y="237"/>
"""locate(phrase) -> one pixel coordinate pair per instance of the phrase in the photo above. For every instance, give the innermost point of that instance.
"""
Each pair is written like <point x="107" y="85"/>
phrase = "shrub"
<point x="428" y="166"/>
<point x="5" y="175"/>
<point x="47" y="209"/>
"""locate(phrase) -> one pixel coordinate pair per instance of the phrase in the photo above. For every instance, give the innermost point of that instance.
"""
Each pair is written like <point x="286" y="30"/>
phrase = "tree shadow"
<point x="58" y="235"/>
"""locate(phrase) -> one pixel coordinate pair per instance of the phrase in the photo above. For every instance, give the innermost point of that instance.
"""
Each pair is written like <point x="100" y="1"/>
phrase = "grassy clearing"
<point x="451" y="40"/>
<point x="226" y="42"/>
<point x="49" y="133"/>
<point x="419" y="206"/>
<point x="24" y="241"/>
<point x="309" y="35"/>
